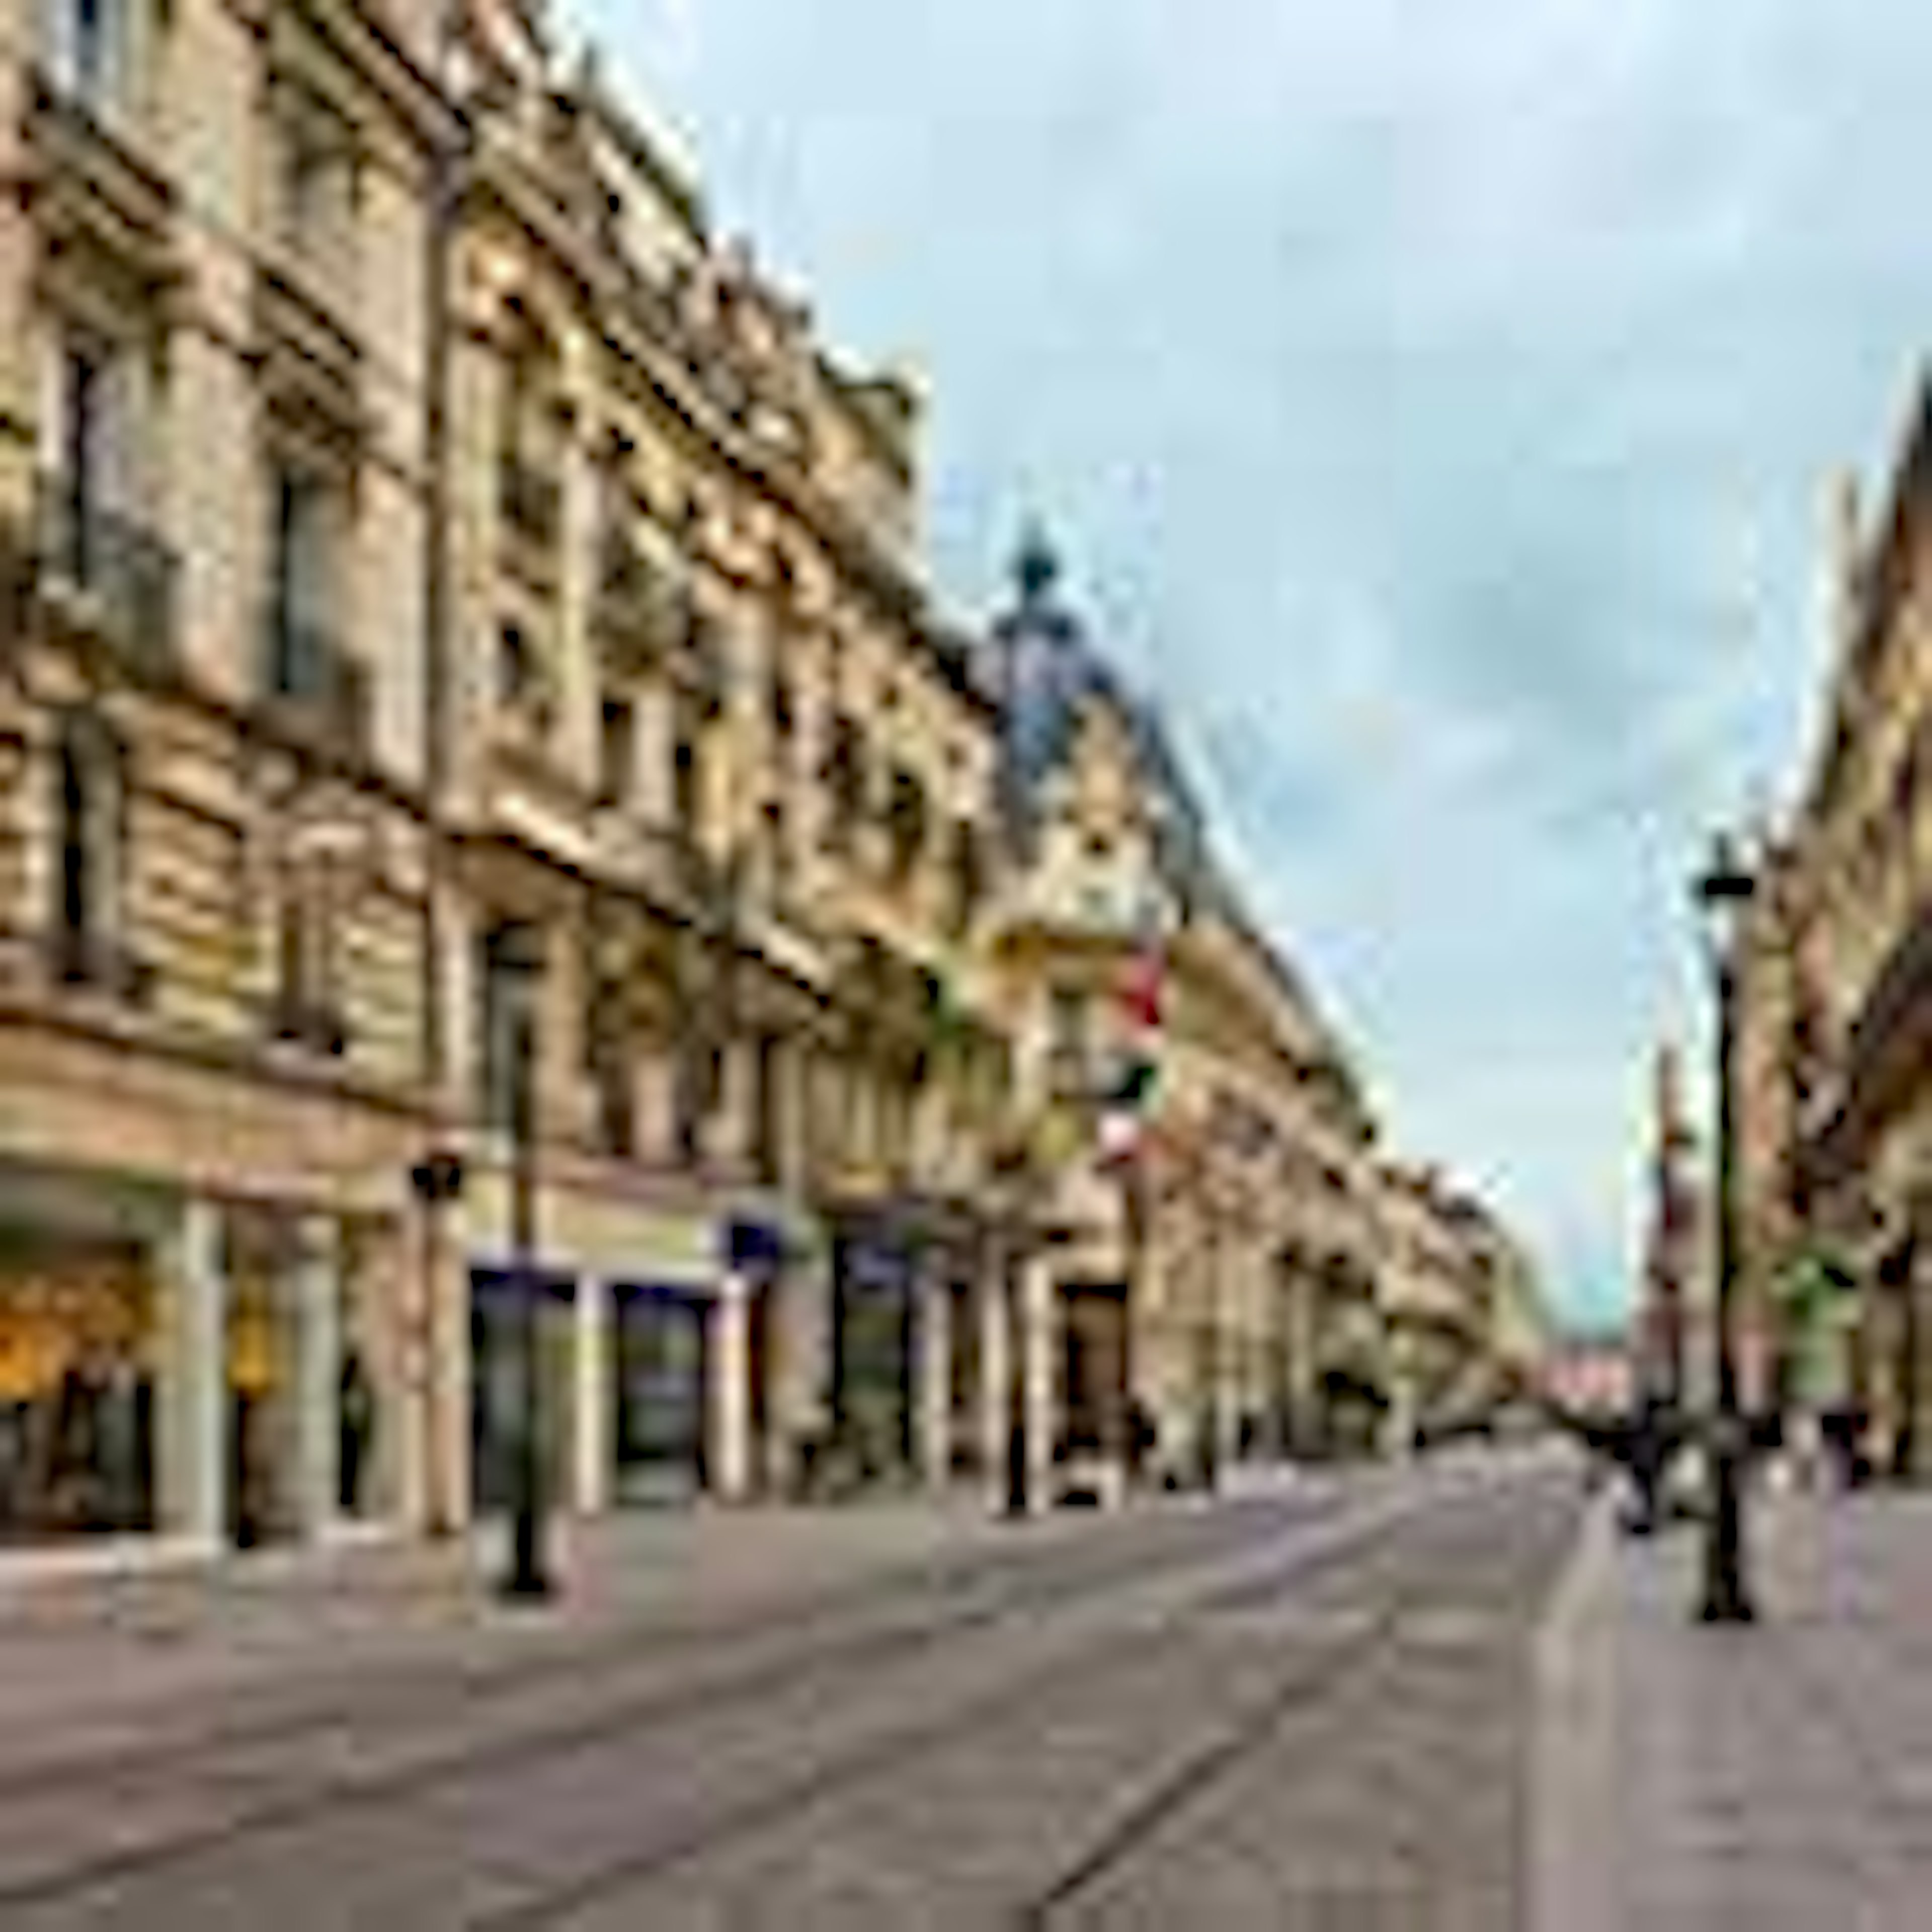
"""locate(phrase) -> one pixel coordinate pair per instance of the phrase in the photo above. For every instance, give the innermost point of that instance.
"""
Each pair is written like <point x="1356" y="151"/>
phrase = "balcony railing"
<point x="117" y="575"/>
<point x="319" y="688"/>
<point x="530" y="502"/>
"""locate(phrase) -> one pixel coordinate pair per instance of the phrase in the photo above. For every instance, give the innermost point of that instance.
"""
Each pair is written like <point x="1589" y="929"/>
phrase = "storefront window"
<point x="77" y="1360"/>
<point x="658" y="1388"/>
<point x="873" y="1354"/>
<point x="498" y="1406"/>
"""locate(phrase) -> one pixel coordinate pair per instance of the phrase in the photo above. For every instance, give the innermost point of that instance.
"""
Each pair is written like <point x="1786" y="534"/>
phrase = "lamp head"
<point x="1723" y="890"/>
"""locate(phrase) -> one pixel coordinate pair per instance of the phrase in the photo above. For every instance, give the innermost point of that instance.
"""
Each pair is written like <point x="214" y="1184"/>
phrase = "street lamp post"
<point x="1904" y="1451"/>
<point x="520" y="958"/>
<point x="1723" y="892"/>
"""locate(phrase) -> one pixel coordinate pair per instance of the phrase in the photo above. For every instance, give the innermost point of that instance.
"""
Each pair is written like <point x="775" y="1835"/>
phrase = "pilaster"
<point x="317" y="1298"/>
<point x="595" y="1412"/>
<point x="192" y="1412"/>
<point x="731" y="1388"/>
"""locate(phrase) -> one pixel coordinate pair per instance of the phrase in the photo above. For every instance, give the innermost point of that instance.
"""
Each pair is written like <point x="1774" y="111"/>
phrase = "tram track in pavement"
<point x="1140" y="1829"/>
<point x="843" y="1774"/>
<point x="1044" y="1588"/>
<point x="569" y="1657"/>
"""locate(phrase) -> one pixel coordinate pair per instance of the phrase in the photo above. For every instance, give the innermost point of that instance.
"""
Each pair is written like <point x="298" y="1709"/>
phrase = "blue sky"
<point x="1436" y="406"/>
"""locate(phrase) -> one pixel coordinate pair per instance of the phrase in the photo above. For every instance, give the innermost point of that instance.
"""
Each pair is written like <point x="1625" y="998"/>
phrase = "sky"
<point x="1436" y="407"/>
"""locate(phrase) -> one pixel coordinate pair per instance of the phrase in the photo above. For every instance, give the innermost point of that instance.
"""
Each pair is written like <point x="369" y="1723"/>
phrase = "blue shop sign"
<point x="754" y="1244"/>
<point x="496" y="1284"/>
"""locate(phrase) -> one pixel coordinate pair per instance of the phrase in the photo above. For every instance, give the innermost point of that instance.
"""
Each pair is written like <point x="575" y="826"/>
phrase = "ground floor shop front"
<point x="183" y="1367"/>
<point x="245" y="1369"/>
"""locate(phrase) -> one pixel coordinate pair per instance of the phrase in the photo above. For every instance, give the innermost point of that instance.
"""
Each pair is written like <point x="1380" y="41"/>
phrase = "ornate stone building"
<point x="1223" y="1273"/>
<point x="712" y="748"/>
<point x="1836" y="1114"/>
<point x="213" y="348"/>
<point x="1459" y="1300"/>
<point x="481" y="775"/>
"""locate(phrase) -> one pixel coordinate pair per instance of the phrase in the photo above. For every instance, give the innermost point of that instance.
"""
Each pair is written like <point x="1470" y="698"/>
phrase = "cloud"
<point x="1436" y="419"/>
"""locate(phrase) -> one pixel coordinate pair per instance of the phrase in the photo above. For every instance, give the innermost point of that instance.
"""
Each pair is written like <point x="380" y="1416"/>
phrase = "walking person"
<point x="358" y="1427"/>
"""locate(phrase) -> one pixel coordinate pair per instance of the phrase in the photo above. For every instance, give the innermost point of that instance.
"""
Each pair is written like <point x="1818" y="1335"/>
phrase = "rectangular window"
<point x="517" y="671"/>
<point x="1067" y="1022"/>
<point x="616" y="751"/>
<point x="778" y="843"/>
<point x="507" y="971"/>
<point x="89" y="826"/>
<point x="300" y="582"/>
<point x="87" y="50"/>
<point x="1067" y="1044"/>
<point x="906" y="824"/>
<point x="92" y="829"/>
<point x="306" y="1010"/>
<point x="686" y="770"/>
<point x="617" y="1108"/>
<point x="967" y="876"/>
<point x="691" y="1092"/>
<point x="607" y="1046"/>
<point x="845" y="782"/>
<point x="89" y="446"/>
<point x="767" y="1119"/>
<point x="317" y="176"/>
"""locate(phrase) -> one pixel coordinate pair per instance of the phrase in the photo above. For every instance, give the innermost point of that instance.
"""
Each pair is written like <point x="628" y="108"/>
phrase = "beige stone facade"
<point x="465" y="667"/>
<point x="212" y="848"/>
<point x="1835" y="1113"/>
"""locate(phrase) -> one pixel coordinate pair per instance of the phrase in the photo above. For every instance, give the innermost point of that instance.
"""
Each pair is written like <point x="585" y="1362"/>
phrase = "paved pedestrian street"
<point x="1304" y="1705"/>
<point x="1769" y="1778"/>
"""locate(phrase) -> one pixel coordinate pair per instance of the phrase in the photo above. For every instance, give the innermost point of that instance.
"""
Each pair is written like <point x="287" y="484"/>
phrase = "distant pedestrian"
<point x="358" y="1427"/>
<point x="1646" y="1462"/>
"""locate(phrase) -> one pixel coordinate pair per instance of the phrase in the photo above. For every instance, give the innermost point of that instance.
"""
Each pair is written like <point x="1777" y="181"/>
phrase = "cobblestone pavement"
<point x="1304" y="1707"/>
<point x="1773" y="1777"/>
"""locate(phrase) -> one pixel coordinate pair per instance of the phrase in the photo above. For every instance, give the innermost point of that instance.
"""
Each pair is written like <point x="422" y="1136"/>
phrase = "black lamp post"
<point x="1723" y="892"/>
<point x="518" y="957"/>
<point x="1904" y="1449"/>
<point x="437" y="1181"/>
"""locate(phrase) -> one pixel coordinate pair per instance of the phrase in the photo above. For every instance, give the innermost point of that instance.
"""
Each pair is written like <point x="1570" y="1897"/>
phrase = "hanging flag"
<point x="1141" y="988"/>
<point x="1127" y="1097"/>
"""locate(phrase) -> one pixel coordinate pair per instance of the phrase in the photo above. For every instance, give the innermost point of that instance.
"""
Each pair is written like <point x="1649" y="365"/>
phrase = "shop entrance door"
<point x="499" y="1401"/>
<point x="659" y="1388"/>
<point x="260" y="1424"/>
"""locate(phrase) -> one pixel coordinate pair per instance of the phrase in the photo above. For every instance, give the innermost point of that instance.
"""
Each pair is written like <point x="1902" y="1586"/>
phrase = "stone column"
<point x="996" y="1412"/>
<point x="318" y="1304"/>
<point x="594" y="1414"/>
<point x="1040" y="1336"/>
<point x="191" y="1411"/>
<point x="731" y="1389"/>
<point x="935" y="1381"/>
<point x="798" y="1356"/>
<point x="397" y="1329"/>
<point x="1398" y="1420"/>
<point x="1915" y="1344"/>
<point x="446" y="1376"/>
<point x="1228" y="1345"/>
